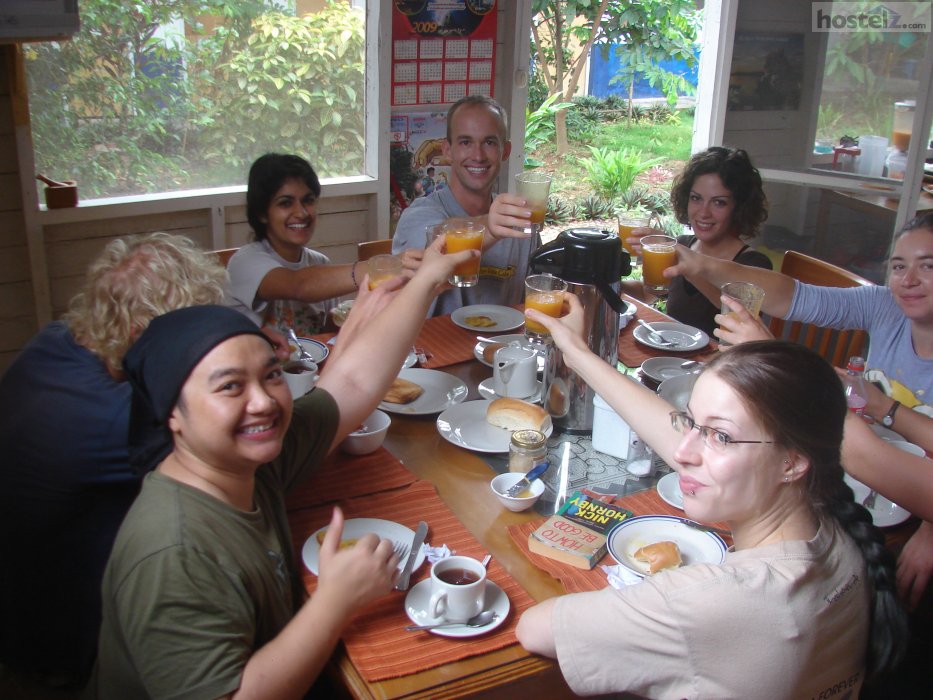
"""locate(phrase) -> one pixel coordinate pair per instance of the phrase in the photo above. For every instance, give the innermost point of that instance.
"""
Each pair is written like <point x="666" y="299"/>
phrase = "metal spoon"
<point x="655" y="336"/>
<point x="484" y="618"/>
<point x="302" y="353"/>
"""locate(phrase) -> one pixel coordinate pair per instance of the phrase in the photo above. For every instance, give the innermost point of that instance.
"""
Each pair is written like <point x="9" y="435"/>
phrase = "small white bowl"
<point x="501" y="484"/>
<point x="370" y="437"/>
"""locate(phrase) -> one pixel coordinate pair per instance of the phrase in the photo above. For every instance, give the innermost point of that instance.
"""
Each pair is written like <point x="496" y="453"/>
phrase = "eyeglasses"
<point x="712" y="438"/>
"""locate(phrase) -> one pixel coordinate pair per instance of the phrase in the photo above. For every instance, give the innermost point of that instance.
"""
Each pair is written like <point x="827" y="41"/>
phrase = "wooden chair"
<point x="224" y="255"/>
<point x="836" y="346"/>
<point x="367" y="249"/>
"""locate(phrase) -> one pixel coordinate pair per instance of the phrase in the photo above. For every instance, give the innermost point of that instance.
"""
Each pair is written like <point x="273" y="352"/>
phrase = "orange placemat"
<point x="376" y="640"/>
<point x="576" y="580"/>
<point x="632" y="353"/>
<point x="344" y="476"/>
<point x="445" y="343"/>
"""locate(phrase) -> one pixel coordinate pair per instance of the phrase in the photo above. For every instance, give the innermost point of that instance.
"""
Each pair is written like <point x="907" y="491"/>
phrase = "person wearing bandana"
<point x="202" y="596"/>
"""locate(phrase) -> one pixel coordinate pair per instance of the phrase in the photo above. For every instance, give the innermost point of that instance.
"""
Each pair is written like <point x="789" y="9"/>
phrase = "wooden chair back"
<point x="224" y="255"/>
<point x="836" y="346"/>
<point x="367" y="249"/>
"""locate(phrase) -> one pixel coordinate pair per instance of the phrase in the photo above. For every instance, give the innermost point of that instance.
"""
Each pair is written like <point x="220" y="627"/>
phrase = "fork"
<point x="400" y="549"/>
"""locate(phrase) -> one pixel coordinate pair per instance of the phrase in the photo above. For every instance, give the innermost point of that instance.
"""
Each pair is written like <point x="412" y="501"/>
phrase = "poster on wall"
<point x="418" y="165"/>
<point x="442" y="50"/>
<point x="767" y="72"/>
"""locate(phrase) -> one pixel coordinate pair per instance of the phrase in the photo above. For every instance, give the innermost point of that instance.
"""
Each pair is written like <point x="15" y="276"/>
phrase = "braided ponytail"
<point x="889" y="632"/>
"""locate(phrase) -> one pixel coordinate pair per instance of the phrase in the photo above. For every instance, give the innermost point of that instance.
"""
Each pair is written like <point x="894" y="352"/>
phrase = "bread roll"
<point x="402" y="391"/>
<point x="660" y="555"/>
<point x="489" y="352"/>
<point x="515" y="414"/>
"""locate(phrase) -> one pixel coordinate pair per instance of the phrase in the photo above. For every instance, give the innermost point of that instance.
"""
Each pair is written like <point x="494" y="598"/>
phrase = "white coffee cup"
<point x="515" y="372"/>
<point x="301" y="382"/>
<point x="458" y="589"/>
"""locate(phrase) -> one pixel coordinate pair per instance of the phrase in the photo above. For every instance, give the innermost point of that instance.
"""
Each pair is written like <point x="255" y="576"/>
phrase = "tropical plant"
<point x="593" y="208"/>
<point x="560" y="211"/>
<point x="539" y="124"/>
<point x="298" y="83"/>
<point x="613" y="172"/>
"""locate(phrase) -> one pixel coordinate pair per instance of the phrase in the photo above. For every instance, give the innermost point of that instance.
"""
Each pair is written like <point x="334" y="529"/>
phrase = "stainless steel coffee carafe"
<point x="592" y="263"/>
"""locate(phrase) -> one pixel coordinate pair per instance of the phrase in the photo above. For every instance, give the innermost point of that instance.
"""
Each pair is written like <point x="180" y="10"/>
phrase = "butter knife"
<point x="416" y="543"/>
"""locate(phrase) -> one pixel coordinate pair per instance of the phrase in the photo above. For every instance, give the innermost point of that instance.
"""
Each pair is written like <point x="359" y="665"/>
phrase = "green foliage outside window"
<point x="164" y="95"/>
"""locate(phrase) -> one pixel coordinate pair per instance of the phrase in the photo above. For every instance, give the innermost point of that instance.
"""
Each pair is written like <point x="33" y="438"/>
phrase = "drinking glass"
<point x="658" y="253"/>
<point x="628" y="223"/>
<point x="543" y="292"/>
<point x="747" y="294"/>
<point x="382" y="268"/>
<point x="461" y="233"/>
<point x="534" y="187"/>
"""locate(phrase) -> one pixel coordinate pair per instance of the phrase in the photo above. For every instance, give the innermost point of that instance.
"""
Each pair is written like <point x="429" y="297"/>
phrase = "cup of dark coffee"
<point x="458" y="589"/>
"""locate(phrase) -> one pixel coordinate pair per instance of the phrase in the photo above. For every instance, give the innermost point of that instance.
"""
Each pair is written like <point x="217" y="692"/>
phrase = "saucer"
<point x="416" y="603"/>
<point x="669" y="490"/>
<point x="486" y="390"/>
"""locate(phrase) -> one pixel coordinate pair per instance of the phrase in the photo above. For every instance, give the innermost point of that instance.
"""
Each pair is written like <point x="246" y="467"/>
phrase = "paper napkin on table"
<point x="620" y="577"/>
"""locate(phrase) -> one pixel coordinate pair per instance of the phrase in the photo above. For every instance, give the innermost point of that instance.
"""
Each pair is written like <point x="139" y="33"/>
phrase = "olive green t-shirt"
<point x="194" y="586"/>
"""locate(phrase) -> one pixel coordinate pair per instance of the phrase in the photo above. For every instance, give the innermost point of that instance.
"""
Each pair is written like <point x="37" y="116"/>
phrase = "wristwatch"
<point x="888" y="420"/>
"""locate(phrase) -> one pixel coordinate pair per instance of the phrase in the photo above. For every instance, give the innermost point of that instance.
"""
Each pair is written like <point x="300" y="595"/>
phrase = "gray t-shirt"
<point x="503" y="268"/>
<point x="194" y="587"/>
<point x="873" y="309"/>
<point x="247" y="268"/>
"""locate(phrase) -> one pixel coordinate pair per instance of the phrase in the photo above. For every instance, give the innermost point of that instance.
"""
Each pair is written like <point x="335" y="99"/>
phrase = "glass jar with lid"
<point x="527" y="449"/>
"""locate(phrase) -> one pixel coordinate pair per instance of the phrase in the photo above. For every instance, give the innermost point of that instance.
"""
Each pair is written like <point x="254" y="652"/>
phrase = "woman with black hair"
<point x="720" y="196"/>
<point x="277" y="281"/>
<point x="803" y="606"/>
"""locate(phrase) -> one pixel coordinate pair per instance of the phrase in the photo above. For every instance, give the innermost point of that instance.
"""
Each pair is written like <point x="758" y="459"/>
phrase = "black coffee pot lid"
<point x="584" y="255"/>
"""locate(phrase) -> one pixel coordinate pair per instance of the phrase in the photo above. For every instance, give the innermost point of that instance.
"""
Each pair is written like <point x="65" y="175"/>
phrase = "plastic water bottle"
<point x="856" y="393"/>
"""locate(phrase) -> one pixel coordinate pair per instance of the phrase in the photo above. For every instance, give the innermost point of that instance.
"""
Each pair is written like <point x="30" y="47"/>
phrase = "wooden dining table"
<point x="461" y="480"/>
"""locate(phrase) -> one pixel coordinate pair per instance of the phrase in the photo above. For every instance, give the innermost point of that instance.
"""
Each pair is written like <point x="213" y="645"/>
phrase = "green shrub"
<point x="613" y="172"/>
<point x="297" y="85"/>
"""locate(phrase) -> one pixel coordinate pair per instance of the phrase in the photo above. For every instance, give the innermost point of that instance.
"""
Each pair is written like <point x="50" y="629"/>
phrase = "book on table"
<point x="578" y="533"/>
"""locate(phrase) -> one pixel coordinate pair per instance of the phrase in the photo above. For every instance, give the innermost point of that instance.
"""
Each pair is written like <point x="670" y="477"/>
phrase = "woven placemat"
<point x="376" y="640"/>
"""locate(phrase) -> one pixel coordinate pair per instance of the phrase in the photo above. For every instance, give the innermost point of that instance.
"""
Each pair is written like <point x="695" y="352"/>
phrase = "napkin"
<point x="620" y="577"/>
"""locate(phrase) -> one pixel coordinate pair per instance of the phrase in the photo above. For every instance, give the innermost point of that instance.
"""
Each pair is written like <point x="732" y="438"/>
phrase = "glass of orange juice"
<point x="534" y="187"/>
<point x="628" y="223"/>
<point x="543" y="292"/>
<point x="658" y="253"/>
<point x="462" y="234"/>
<point x="382" y="268"/>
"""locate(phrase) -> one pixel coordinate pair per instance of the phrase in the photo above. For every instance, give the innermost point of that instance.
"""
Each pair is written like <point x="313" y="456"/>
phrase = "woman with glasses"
<point x="805" y="603"/>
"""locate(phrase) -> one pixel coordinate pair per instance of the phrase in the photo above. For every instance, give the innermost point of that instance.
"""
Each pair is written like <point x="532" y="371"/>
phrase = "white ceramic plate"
<point x="884" y="513"/>
<point x="487" y="391"/>
<point x="355" y="528"/>
<point x="416" y="603"/>
<point x="317" y="350"/>
<point x="885" y="433"/>
<point x="696" y="546"/>
<point x="441" y="391"/>
<point x="669" y="490"/>
<point x="661" y="368"/>
<point x="465" y="426"/>
<point x="685" y="338"/>
<point x="505" y="340"/>
<point x="505" y="318"/>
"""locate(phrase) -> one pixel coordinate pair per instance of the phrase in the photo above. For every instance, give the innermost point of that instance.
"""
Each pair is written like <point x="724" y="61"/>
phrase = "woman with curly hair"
<point x="65" y="480"/>
<point x="720" y="196"/>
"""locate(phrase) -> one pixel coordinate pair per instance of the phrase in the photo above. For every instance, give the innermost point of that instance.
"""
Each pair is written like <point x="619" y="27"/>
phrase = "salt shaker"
<point x="640" y="457"/>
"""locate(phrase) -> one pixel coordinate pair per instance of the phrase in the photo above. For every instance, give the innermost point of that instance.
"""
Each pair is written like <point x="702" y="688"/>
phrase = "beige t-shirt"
<point x="788" y="620"/>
